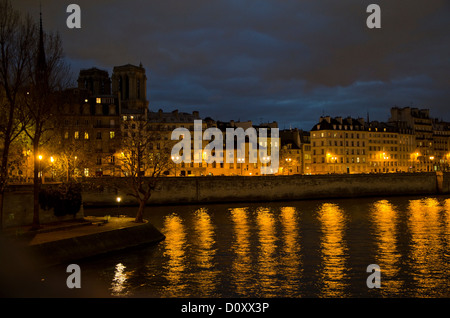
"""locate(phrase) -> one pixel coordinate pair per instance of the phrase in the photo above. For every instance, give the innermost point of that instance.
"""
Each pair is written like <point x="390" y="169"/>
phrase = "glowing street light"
<point x="241" y="163"/>
<point x="173" y="159"/>
<point x="39" y="168"/>
<point x="118" y="199"/>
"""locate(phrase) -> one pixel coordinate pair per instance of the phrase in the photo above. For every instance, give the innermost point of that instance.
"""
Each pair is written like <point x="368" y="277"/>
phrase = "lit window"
<point x="112" y="134"/>
<point x="98" y="100"/>
<point x="86" y="135"/>
<point x="77" y="135"/>
<point x="86" y="172"/>
<point x="66" y="135"/>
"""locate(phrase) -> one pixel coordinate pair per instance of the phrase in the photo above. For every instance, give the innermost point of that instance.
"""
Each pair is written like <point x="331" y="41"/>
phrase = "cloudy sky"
<point x="289" y="61"/>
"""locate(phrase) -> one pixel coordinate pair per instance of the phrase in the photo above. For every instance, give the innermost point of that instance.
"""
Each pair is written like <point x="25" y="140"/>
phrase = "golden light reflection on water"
<point x="241" y="264"/>
<point x="205" y="251"/>
<point x="291" y="259"/>
<point x="267" y="263"/>
<point x="333" y="250"/>
<point x="426" y="246"/>
<point x="446" y="221"/>
<point x="119" y="283"/>
<point x="384" y="218"/>
<point x="175" y="250"/>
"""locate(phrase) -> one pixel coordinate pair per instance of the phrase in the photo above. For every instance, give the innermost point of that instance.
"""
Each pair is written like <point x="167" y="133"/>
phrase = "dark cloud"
<point x="263" y="60"/>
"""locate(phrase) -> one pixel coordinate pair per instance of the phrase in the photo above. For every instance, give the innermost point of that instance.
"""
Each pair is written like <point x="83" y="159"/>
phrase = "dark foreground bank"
<point x="90" y="237"/>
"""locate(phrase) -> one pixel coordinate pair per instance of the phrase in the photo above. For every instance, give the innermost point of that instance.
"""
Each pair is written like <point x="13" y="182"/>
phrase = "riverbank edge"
<point x="217" y="190"/>
<point x="69" y="250"/>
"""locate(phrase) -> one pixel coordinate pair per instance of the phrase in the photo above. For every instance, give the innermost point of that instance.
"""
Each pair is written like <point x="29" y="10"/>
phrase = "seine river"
<point x="317" y="248"/>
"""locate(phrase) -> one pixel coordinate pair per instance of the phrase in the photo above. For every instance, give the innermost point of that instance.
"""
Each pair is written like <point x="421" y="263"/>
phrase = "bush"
<point x="65" y="199"/>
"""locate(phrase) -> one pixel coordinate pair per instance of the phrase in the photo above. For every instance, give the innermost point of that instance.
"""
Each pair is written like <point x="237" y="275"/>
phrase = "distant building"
<point x="295" y="153"/>
<point x="431" y="151"/>
<point x="339" y="145"/>
<point x="410" y="141"/>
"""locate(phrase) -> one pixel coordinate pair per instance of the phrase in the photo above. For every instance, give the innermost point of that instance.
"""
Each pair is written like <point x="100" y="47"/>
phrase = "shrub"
<point x="65" y="199"/>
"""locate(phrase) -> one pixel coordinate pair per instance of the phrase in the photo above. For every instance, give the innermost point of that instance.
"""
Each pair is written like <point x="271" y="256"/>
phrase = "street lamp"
<point x="39" y="168"/>
<point x="173" y="159"/>
<point x="334" y="160"/>
<point x="288" y="161"/>
<point x="241" y="162"/>
<point x="432" y="163"/>
<point x="51" y="163"/>
<point x="118" y="199"/>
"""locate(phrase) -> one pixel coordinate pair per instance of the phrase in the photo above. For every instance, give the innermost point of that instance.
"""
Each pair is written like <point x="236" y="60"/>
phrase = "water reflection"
<point x="385" y="222"/>
<point x="267" y="263"/>
<point x="446" y="222"/>
<point x="241" y="265"/>
<point x="425" y="248"/>
<point x="292" y="250"/>
<point x="175" y="251"/>
<point x="291" y="260"/>
<point x="333" y="250"/>
<point x="205" y="251"/>
<point x="119" y="283"/>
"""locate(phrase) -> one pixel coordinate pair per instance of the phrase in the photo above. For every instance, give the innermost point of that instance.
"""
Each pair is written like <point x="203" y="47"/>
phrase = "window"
<point x="86" y="172"/>
<point x="66" y="135"/>
<point x="86" y="135"/>
<point x="98" y="100"/>
<point x="112" y="134"/>
<point x="99" y="135"/>
<point x="77" y="135"/>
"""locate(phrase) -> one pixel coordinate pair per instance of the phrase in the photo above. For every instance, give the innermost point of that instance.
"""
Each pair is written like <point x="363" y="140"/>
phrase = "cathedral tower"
<point x="129" y="82"/>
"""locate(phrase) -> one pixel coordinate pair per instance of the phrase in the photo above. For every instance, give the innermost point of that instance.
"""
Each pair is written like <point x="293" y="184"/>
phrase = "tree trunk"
<point x="140" y="213"/>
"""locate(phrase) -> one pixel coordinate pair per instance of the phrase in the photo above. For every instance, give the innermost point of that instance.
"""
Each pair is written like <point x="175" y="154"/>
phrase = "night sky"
<point x="289" y="61"/>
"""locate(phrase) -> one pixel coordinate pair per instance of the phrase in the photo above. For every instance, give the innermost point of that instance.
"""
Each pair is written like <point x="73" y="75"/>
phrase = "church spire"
<point x="41" y="65"/>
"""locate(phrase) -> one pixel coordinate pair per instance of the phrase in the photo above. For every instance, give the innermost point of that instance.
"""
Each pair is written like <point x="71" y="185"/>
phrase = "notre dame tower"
<point x="129" y="83"/>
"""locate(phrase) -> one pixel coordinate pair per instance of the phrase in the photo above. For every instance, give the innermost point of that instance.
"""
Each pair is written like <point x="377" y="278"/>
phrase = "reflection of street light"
<point x="118" y="199"/>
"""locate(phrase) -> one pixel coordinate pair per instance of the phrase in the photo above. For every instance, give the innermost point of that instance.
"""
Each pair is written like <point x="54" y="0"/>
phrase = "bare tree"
<point x="16" y="47"/>
<point x="48" y="78"/>
<point x="145" y="158"/>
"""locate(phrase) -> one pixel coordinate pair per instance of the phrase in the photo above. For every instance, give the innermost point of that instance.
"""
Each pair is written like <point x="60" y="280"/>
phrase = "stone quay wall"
<point x="194" y="190"/>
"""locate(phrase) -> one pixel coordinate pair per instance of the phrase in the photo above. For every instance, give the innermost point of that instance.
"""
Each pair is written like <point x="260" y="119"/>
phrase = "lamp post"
<point x="39" y="168"/>
<point x="386" y="163"/>
<point x="241" y="162"/>
<point x="288" y="162"/>
<point x="432" y="163"/>
<point x="173" y="159"/>
<point x="51" y="164"/>
<point x="334" y="160"/>
<point x="118" y="199"/>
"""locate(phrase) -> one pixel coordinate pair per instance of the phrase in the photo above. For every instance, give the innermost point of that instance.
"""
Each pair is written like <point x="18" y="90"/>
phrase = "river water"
<point x="313" y="248"/>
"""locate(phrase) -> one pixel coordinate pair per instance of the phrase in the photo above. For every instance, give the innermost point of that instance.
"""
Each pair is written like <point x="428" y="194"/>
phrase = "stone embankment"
<point x="195" y="190"/>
